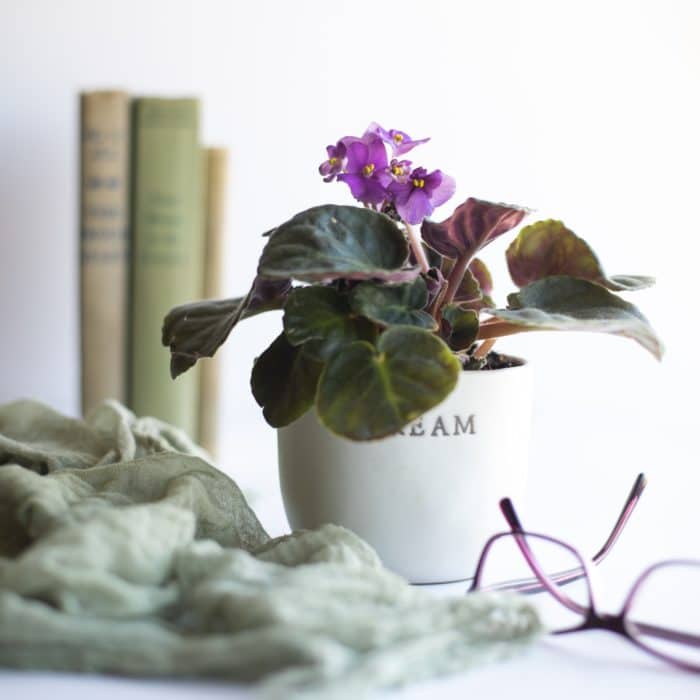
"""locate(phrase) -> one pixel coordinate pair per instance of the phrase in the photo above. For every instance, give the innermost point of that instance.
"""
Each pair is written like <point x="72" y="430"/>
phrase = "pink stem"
<point x="417" y="247"/>
<point x="485" y="348"/>
<point x="455" y="278"/>
<point x="499" y="329"/>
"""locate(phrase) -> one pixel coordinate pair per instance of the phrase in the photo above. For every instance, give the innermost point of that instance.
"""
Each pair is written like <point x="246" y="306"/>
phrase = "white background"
<point x="585" y="111"/>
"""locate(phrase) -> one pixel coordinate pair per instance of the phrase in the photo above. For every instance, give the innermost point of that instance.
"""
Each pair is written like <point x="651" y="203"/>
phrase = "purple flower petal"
<point x="400" y="169"/>
<point x="415" y="207"/>
<point x="358" y="153"/>
<point x="400" y="190"/>
<point x="406" y="144"/>
<point x="335" y="163"/>
<point x="417" y="196"/>
<point x="356" y="183"/>
<point x="366" y="169"/>
<point x="442" y="191"/>
<point x="377" y="130"/>
<point x="369" y="190"/>
<point x="399" y="141"/>
<point x="375" y="190"/>
<point x="377" y="153"/>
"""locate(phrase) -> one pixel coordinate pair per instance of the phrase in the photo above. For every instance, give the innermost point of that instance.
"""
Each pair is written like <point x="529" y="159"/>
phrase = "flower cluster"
<point x="378" y="179"/>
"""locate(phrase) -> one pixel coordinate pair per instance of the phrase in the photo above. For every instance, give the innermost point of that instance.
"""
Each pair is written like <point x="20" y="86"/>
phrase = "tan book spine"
<point x="216" y="179"/>
<point x="104" y="245"/>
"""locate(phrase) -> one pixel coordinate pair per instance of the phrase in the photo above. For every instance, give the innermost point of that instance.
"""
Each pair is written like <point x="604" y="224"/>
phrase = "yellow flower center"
<point x="333" y="161"/>
<point x="397" y="170"/>
<point x="398" y="138"/>
<point x="368" y="169"/>
<point x="418" y="183"/>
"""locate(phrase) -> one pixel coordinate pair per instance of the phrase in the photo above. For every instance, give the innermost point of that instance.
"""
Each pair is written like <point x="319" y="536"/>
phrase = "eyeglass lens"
<point x="664" y="612"/>
<point x="507" y="568"/>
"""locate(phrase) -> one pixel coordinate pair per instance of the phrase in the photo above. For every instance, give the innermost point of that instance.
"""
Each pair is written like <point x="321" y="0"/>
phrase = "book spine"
<point x="216" y="178"/>
<point x="168" y="250"/>
<point x="104" y="242"/>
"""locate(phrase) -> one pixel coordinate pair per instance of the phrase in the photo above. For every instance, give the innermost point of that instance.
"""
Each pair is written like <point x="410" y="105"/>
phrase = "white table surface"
<point x="591" y="665"/>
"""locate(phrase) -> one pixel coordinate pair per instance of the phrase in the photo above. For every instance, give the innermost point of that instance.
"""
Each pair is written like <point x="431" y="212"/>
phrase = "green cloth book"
<point x="168" y="251"/>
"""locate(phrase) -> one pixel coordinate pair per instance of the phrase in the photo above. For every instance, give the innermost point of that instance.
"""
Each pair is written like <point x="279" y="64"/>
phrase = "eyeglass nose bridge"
<point x="601" y="621"/>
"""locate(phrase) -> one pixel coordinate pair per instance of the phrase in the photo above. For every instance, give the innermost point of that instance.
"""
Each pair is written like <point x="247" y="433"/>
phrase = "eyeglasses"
<point x="660" y="615"/>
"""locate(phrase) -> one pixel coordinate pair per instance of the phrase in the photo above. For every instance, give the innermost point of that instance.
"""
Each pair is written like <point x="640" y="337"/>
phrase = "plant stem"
<point x="417" y="246"/>
<point x="435" y="309"/>
<point x="485" y="348"/>
<point x="495" y="328"/>
<point x="455" y="278"/>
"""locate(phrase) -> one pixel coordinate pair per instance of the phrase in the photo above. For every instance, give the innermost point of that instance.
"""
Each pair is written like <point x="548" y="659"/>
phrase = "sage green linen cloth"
<point x="122" y="550"/>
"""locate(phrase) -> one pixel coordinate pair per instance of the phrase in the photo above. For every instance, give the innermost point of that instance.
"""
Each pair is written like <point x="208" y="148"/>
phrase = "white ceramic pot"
<point x="426" y="499"/>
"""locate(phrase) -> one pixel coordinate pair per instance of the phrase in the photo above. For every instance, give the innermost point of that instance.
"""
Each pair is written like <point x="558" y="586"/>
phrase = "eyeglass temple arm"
<point x="563" y="578"/>
<point x="640" y="483"/>
<point x="508" y="510"/>
<point x="670" y="635"/>
<point x="634" y="495"/>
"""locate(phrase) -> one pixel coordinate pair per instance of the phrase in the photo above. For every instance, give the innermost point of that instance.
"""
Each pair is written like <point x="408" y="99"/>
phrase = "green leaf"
<point x="328" y="242"/>
<point x="482" y="275"/>
<point x="367" y="393"/>
<point x="198" y="329"/>
<point x="463" y="325"/>
<point x="434" y="258"/>
<point x="475" y="287"/>
<point x="393" y="304"/>
<point x="284" y="382"/>
<point x="320" y="319"/>
<point x="547" y="248"/>
<point x="571" y="304"/>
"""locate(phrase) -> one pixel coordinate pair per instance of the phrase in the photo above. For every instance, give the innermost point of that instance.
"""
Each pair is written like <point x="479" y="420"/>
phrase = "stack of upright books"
<point x="152" y="229"/>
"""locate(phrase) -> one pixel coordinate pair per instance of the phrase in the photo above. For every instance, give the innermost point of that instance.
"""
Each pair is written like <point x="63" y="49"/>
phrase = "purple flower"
<point x="336" y="161"/>
<point x="400" y="169"/>
<point x="399" y="141"/>
<point x="421" y="193"/>
<point x="366" y="171"/>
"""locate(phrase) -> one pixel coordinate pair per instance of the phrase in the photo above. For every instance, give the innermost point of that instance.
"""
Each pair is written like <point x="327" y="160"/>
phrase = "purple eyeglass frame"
<point x="553" y="583"/>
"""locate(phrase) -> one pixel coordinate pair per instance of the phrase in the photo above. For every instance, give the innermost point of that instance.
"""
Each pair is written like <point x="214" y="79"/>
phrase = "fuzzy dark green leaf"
<point x="284" y="382"/>
<point x="320" y="319"/>
<point x="463" y="325"/>
<point x="330" y="241"/>
<point x="482" y="275"/>
<point x="198" y="329"/>
<point x="571" y="304"/>
<point x="548" y="248"/>
<point x="367" y="393"/>
<point x="393" y="304"/>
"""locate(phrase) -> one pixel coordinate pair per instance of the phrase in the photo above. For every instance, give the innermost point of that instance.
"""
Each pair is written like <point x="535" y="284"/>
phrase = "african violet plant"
<point x="392" y="305"/>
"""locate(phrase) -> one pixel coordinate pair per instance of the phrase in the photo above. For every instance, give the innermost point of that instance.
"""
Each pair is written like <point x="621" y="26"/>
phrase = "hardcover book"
<point x="216" y="178"/>
<point x="104" y="242"/>
<point x="168" y="251"/>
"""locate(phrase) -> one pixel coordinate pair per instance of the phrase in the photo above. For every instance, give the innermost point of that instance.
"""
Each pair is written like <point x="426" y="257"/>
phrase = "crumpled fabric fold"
<point x="124" y="551"/>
